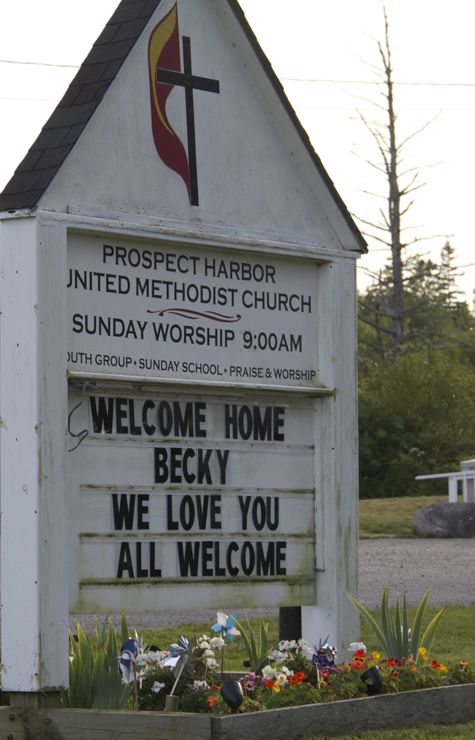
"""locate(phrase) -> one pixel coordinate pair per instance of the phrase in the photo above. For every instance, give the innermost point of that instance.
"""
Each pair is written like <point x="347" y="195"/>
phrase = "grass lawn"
<point x="392" y="517"/>
<point x="423" y="733"/>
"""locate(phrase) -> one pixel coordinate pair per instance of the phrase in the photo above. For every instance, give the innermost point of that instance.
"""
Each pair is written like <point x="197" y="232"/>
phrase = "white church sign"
<point x="177" y="348"/>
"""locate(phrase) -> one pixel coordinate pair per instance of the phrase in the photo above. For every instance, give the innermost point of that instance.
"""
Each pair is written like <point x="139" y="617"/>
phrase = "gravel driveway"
<point x="447" y="566"/>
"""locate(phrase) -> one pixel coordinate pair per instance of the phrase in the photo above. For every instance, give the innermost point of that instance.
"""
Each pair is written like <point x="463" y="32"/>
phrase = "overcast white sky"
<point x="320" y="49"/>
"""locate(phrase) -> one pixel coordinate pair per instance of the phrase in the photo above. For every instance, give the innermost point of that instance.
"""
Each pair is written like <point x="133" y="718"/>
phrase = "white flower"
<point x="305" y="649"/>
<point x="285" y="645"/>
<point x="281" y="679"/>
<point x="155" y="656"/>
<point x="200" y="685"/>
<point x="268" y="671"/>
<point x="204" y="645"/>
<point x="157" y="687"/>
<point x="354" y="646"/>
<point x="286" y="671"/>
<point x="209" y="653"/>
<point x="278" y="656"/>
<point x="217" y="642"/>
<point x="211" y="663"/>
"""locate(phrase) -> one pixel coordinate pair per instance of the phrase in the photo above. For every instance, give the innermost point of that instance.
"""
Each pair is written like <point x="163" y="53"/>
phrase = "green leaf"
<point x="417" y="625"/>
<point x="244" y="636"/>
<point x="428" y="636"/>
<point x="388" y="642"/>
<point x="369" y="619"/>
<point x="398" y="631"/>
<point x="124" y="629"/>
<point x="405" y="627"/>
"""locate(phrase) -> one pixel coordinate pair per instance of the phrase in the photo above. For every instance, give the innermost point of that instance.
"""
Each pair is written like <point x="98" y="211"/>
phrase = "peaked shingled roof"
<point x="61" y="132"/>
<point x="69" y="119"/>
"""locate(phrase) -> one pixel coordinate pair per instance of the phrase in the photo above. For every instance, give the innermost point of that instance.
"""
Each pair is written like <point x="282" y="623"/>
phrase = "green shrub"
<point x="94" y="676"/>
<point x="395" y="637"/>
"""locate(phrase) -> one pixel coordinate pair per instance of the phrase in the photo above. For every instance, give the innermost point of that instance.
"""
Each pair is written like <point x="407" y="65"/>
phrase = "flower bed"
<point x="295" y="675"/>
<point x="189" y="675"/>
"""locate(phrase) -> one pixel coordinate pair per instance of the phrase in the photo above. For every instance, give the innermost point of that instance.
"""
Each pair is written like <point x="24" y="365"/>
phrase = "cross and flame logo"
<point x="165" y="71"/>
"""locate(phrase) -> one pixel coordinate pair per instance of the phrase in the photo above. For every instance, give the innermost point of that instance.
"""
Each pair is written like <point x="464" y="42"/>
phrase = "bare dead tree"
<point x="389" y="312"/>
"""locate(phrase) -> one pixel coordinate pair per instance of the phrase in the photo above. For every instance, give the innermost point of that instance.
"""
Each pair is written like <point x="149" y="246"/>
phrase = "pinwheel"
<point x="177" y="658"/>
<point x="226" y="626"/>
<point x="128" y="655"/>
<point x="324" y="657"/>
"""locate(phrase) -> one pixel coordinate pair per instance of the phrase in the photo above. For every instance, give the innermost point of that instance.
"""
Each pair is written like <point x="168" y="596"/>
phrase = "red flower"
<point x="435" y="665"/>
<point x="391" y="662"/>
<point x="212" y="701"/>
<point x="394" y="674"/>
<point x="357" y="665"/>
<point x="359" y="654"/>
<point x="269" y="682"/>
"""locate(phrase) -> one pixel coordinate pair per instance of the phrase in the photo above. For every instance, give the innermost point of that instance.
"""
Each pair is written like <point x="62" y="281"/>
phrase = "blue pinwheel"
<point x="128" y="655"/>
<point x="226" y="625"/>
<point x="324" y="656"/>
<point x="177" y="658"/>
<point x="176" y="651"/>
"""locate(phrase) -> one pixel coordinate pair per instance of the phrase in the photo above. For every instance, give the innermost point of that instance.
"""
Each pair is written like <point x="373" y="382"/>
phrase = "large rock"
<point x="445" y="520"/>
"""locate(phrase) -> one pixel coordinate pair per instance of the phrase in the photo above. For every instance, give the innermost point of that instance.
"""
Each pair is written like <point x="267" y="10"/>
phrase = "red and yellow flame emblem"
<point x="164" y="53"/>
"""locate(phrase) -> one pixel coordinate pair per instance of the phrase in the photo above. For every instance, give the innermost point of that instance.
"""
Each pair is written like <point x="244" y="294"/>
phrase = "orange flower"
<point x="357" y="665"/>
<point x="463" y="664"/>
<point x="394" y="674"/>
<point x="297" y="678"/>
<point x="269" y="682"/>
<point x="413" y="668"/>
<point x="212" y="701"/>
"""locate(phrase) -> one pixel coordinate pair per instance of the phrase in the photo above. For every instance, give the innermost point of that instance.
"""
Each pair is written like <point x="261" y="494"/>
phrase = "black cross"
<point x="190" y="82"/>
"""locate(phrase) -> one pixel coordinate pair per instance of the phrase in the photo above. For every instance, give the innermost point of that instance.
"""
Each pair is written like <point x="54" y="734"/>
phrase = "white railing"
<point x="465" y="477"/>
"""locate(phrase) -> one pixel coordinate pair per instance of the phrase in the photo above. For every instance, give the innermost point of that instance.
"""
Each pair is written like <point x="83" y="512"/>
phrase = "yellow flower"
<point x="443" y="668"/>
<point x="422" y="652"/>
<point x="276" y="687"/>
<point x="376" y="655"/>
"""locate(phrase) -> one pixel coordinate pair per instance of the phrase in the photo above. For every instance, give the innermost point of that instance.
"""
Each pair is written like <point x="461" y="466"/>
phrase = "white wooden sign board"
<point x="160" y="311"/>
